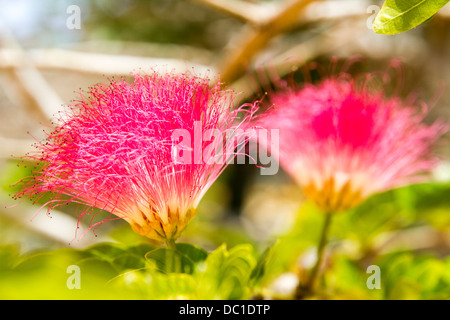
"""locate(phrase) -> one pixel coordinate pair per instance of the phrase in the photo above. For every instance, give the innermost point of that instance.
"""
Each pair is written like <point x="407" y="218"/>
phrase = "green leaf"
<point x="140" y="249"/>
<point x="398" y="16"/>
<point x="194" y="253"/>
<point x="44" y="275"/>
<point x="259" y="273"/>
<point x="170" y="261"/>
<point x="147" y="283"/>
<point x="97" y="268"/>
<point x="226" y="274"/>
<point x="175" y="286"/>
<point x="409" y="276"/>
<point x="128" y="261"/>
<point x="35" y="262"/>
<point x="8" y="256"/>
<point x="404" y="289"/>
<point x="105" y="251"/>
<point x="348" y="278"/>
<point x="11" y="174"/>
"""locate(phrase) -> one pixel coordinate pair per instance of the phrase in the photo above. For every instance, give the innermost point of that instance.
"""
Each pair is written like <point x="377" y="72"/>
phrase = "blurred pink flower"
<point x="113" y="150"/>
<point x="342" y="143"/>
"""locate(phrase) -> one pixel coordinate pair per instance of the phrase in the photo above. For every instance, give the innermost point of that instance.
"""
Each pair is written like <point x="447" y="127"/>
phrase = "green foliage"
<point x="191" y="273"/>
<point x="226" y="273"/>
<point x="111" y="271"/>
<point x="170" y="261"/>
<point x="404" y="232"/>
<point x="415" y="277"/>
<point x="11" y="174"/>
<point x="262" y="269"/>
<point x="348" y="280"/>
<point x="398" y="16"/>
<point x="241" y="268"/>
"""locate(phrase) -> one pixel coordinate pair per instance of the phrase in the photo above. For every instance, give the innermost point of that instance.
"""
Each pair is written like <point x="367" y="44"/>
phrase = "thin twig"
<point x="255" y="39"/>
<point x="96" y="63"/>
<point x="33" y="83"/>
<point x="338" y="35"/>
<point x="244" y="11"/>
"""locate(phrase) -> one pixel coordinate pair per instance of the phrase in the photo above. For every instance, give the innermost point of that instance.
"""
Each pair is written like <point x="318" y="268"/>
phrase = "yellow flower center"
<point x="153" y="227"/>
<point x="331" y="198"/>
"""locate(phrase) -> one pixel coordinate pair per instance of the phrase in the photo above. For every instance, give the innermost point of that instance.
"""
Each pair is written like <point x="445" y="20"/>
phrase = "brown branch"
<point x="338" y="35"/>
<point x="255" y="39"/>
<point x="244" y="11"/>
<point x="32" y="83"/>
<point x="94" y="63"/>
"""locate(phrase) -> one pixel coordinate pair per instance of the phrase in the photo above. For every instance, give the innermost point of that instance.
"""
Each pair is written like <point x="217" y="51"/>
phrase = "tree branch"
<point x="244" y="11"/>
<point x="95" y="63"/>
<point x="255" y="39"/>
<point x="33" y="84"/>
<point x="338" y="35"/>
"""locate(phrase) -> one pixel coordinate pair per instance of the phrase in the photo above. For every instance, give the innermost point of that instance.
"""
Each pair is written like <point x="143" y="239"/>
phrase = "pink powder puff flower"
<point x="112" y="150"/>
<point x="342" y="142"/>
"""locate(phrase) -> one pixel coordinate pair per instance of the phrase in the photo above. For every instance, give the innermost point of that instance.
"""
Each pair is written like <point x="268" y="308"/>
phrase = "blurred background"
<point x="52" y="49"/>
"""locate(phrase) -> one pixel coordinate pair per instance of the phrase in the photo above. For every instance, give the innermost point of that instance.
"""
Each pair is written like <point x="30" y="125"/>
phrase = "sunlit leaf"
<point x="174" y="287"/>
<point x="128" y="261"/>
<point x="9" y="255"/>
<point x="96" y="267"/>
<point x="226" y="274"/>
<point x="414" y="277"/>
<point x="106" y="251"/>
<point x="404" y="289"/>
<point x="259" y="273"/>
<point x="194" y="253"/>
<point x="140" y="249"/>
<point x="170" y="261"/>
<point x="398" y="16"/>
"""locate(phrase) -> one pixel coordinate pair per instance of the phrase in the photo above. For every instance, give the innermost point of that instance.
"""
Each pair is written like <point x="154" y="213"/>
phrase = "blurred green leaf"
<point x="170" y="261"/>
<point x="194" y="253"/>
<point x="128" y="261"/>
<point x="407" y="276"/>
<point x="44" y="275"/>
<point x="226" y="274"/>
<point x="222" y="274"/>
<point x="261" y="272"/>
<point x="174" y="286"/>
<point x="347" y="279"/>
<point x="304" y="235"/>
<point x="404" y="289"/>
<point x="140" y="249"/>
<point x="97" y="268"/>
<point x="147" y="283"/>
<point x="105" y="251"/>
<point x="398" y="16"/>
<point x="394" y="210"/>
<point x="9" y="255"/>
<point x="11" y="174"/>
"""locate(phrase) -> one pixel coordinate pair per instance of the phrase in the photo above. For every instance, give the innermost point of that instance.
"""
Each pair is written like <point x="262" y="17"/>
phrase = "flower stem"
<point x="170" y="243"/>
<point x="307" y="289"/>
